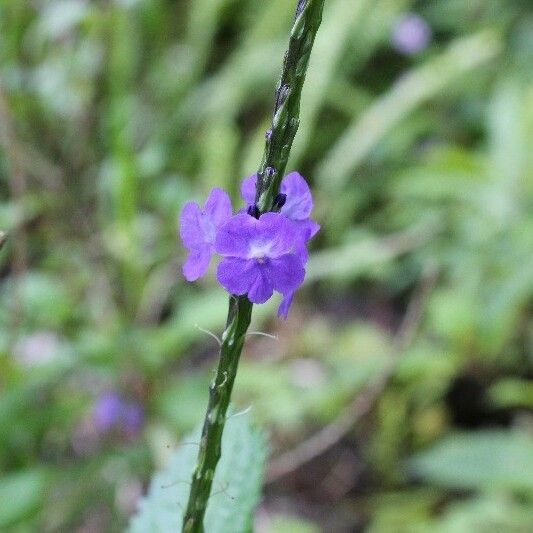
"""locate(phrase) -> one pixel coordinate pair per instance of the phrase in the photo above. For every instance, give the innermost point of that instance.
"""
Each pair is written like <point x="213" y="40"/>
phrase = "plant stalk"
<point x="278" y="144"/>
<point x="285" y="120"/>
<point x="239" y="315"/>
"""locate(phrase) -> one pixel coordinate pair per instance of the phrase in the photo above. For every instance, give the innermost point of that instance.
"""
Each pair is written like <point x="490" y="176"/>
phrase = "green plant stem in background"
<point x="278" y="144"/>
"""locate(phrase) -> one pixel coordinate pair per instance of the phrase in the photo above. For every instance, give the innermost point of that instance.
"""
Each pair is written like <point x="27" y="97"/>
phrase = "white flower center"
<point x="260" y="250"/>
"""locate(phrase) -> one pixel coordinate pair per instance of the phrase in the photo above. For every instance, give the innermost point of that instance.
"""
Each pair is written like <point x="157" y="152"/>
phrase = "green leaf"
<point x="21" y="495"/>
<point x="511" y="392"/>
<point x="491" y="513"/>
<point x="236" y="487"/>
<point x="482" y="460"/>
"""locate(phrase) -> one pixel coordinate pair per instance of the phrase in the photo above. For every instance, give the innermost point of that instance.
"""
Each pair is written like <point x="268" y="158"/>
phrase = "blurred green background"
<point x="408" y="351"/>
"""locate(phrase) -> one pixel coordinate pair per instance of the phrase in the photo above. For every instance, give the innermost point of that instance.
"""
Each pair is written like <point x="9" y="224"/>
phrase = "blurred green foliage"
<point x="114" y="113"/>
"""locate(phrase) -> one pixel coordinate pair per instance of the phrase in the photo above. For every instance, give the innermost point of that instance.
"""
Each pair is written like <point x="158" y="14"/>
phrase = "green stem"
<point x="239" y="315"/>
<point x="278" y="145"/>
<point x="285" y="120"/>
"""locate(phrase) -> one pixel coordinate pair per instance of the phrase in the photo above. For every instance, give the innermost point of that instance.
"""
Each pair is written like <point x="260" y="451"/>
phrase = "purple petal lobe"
<point x="237" y="275"/>
<point x="284" y="306"/>
<point x="218" y="207"/>
<point x="302" y="252"/>
<point x="234" y="237"/>
<point x="276" y="235"/>
<point x="309" y="228"/>
<point x="198" y="231"/>
<point x="286" y="273"/>
<point x="190" y="226"/>
<point x="197" y="263"/>
<point x="248" y="189"/>
<point x="261" y="289"/>
<point x="299" y="203"/>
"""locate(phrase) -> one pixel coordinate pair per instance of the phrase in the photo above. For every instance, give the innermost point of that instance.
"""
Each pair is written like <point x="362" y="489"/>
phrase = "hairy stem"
<point x="278" y="144"/>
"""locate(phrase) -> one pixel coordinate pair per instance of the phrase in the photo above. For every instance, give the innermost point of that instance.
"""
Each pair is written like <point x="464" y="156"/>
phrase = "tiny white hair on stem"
<point x="210" y="333"/>
<point x="189" y="443"/>
<point x="184" y="443"/>
<point x="174" y="483"/>
<point x="240" y="413"/>
<point x="223" y="490"/>
<point x="225" y="379"/>
<point x="263" y="334"/>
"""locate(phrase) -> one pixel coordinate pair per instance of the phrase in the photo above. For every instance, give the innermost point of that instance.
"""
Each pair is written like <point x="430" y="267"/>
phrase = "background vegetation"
<point x="405" y="367"/>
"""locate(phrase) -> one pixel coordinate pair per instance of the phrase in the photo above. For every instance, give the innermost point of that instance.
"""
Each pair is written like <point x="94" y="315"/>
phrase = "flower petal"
<point x="277" y="234"/>
<point x="302" y="252"/>
<point x="299" y="203"/>
<point x="197" y="263"/>
<point x="234" y="237"/>
<point x="237" y="275"/>
<point x="284" y="306"/>
<point x="286" y="273"/>
<point x="248" y="189"/>
<point x="218" y="207"/>
<point x="261" y="290"/>
<point x="191" y="232"/>
<point x="309" y="228"/>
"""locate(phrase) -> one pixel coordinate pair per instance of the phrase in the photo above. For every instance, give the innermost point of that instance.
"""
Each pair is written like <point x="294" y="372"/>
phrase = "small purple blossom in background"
<point x="107" y="411"/>
<point x="112" y="412"/>
<point x="411" y="34"/>
<point x="132" y="418"/>
<point x="198" y="230"/>
<point x="259" y="256"/>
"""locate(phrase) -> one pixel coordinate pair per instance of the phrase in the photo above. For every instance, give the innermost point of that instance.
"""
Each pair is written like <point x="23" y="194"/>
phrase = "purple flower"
<point x="259" y="256"/>
<point x="411" y="34"/>
<point x="132" y="418"/>
<point x="198" y="231"/>
<point x="112" y="412"/>
<point x="107" y="411"/>
<point x="297" y="207"/>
